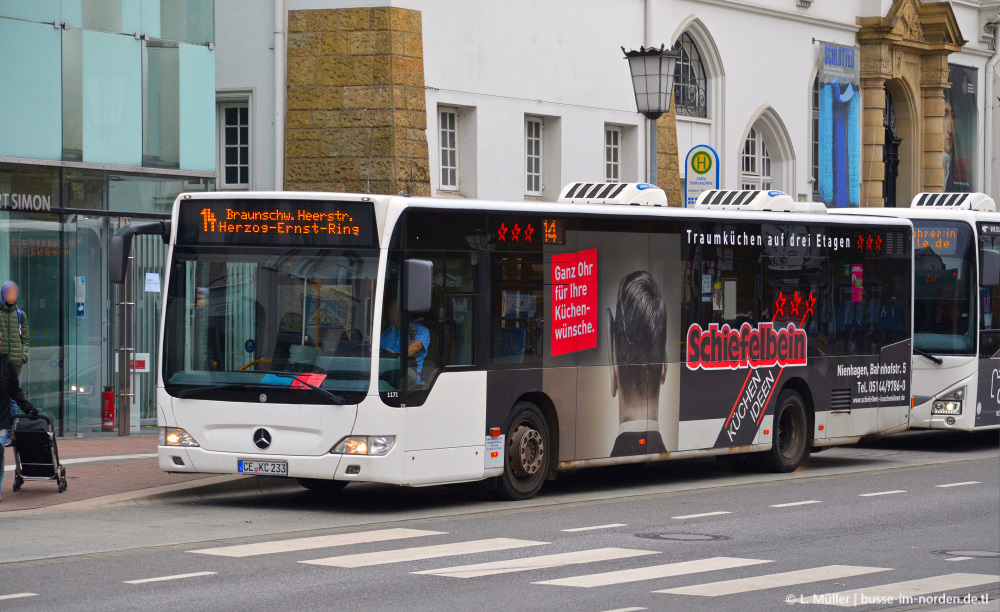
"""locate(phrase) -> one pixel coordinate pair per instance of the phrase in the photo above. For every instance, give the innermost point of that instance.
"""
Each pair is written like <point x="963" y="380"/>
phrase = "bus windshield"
<point x="289" y="326"/>
<point x="944" y="274"/>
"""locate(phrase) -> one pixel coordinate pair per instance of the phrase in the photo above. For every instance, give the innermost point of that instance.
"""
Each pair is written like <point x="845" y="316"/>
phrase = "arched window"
<point x="690" y="84"/>
<point x="755" y="168"/>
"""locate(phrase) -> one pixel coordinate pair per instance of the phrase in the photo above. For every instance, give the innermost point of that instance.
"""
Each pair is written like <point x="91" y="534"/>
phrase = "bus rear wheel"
<point x="526" y="454"/>
<point x="790" y="446"/>
<point x="322" y="486"/>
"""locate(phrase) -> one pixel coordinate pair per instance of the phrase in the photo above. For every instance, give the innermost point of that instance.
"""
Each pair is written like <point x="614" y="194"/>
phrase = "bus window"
<point x="457" y="317"/>
<point x="989" y="337"/>
<point x="273" y="320"/>
<point x="886" y="292"/>
<point x="518" y="309"/>
<point x="847" y="290"/>
<point x="945" y="281"/>
<point x="722" y="281"/>
<point x="401" y="354"/>
<point x="795" y="284"/>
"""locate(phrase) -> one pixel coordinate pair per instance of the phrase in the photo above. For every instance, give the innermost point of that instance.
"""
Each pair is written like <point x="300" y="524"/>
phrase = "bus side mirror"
<point x="118" y="257"/>
<point x="989" y="268"/>
<point x="121" y="246"/>
<point x="419" y="274"/>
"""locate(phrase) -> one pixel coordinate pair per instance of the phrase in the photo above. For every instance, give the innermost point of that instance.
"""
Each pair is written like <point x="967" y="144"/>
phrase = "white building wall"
<point x="561" y="59"/>
<point x="244" y="37"/>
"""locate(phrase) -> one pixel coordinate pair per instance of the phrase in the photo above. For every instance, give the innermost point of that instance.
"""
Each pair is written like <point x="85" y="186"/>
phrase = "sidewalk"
<point x="95" y="467"/>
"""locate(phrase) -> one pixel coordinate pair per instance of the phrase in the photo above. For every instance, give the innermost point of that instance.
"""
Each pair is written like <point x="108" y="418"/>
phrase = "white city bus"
<point x="539" y="336"/>
<point x="956" y="340"/>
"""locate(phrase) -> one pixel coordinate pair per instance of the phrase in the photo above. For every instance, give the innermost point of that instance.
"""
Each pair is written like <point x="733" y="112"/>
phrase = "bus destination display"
<point x="277" y="223"/>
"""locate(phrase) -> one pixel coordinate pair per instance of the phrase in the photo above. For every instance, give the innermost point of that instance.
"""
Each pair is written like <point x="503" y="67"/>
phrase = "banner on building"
<point x="839" y="126"/>
<point x="961" y="124"/>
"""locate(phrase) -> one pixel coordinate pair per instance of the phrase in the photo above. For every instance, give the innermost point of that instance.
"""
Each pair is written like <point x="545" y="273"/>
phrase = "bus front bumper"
<point x="384" y="469"/>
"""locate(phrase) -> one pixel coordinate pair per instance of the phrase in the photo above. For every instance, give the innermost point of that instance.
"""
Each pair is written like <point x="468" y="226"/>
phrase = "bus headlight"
<point x="175" y="436"/>
<point x="950" y="403"/>
<point x="364" y="445"/>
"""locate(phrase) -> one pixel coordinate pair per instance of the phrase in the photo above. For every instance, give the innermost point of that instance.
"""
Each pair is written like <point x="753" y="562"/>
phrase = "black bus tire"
<point x="526" y="454"/>
<point x="790" y="446"/>
<point x="323" y="486"/>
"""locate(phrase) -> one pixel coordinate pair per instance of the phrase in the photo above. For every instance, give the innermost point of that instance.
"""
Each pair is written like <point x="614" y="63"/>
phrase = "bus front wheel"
<point x="790" y="445"/>
<point x="526" y="454"/>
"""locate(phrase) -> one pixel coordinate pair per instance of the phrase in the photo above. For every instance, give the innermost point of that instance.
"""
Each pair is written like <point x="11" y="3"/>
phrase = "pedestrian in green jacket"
<point x="17" y="339"/>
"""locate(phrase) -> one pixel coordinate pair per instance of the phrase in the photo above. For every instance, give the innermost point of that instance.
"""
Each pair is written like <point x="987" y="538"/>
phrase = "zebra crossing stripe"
<point x="423" y="552"/>
<point x="651" y="573"/>
<point x="536" y="563"/>
<point x="327" y="541"/>
<point x="771" y="581"/>
<point x="910" y="588"/>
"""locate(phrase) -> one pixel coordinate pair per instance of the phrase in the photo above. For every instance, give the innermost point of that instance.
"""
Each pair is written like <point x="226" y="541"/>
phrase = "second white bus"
<point x="956" y="339"/>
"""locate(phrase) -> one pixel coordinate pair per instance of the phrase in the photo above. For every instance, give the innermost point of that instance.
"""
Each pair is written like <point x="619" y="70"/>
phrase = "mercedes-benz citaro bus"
<point x="339" y="337"/>
<point x="956" y="340"/>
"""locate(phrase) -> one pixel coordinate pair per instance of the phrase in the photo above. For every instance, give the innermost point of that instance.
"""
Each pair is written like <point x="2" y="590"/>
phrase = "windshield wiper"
<point x="243" y="385"/>
<point x="256" y="385"/>
<point x="927" y="355"/>
<point x="293" y="375"/>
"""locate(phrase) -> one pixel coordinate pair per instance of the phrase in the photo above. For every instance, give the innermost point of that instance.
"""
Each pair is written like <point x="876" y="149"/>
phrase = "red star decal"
<point x="870" y="243"/>
<point x="502" y="232"/>
<point x="516" y="232"/>
<point x="795" y="303"/>
<point x="528" y="231"/>
<point x="809" y="304"/>
<point x="878" y="243"/>
<point x="779" y="305"/>
<point x="861" y="243"/>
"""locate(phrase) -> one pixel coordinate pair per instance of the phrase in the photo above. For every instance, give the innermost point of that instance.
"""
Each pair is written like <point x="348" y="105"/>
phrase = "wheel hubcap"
<point x="526" y="451"/>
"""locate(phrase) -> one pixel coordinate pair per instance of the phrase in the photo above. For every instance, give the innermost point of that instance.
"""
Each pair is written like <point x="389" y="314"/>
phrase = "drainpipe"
<point x="988" y="114"/>
<point x="279" y="95"/>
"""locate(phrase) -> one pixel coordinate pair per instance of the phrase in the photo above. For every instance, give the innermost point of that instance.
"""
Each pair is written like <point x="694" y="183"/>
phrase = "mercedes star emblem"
<point x="262" y="438"/>
<point x="263" y="397"/>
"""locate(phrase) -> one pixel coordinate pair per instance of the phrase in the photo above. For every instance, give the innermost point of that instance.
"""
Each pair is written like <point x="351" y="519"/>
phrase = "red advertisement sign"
<point x="574" y="302"/>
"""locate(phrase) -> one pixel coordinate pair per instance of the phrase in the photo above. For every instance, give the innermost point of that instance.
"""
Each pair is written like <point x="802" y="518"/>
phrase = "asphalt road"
<point x="917" y="514"/>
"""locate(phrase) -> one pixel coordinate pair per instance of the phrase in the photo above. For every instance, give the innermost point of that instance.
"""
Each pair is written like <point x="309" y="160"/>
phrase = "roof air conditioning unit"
<point x="770" y="201"/>
<point x="635" y="194"/>
<point x="956" y="201"/>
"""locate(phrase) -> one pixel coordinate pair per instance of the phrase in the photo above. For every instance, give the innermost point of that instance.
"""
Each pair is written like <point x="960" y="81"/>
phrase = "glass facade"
<point x="107" y="112"/>
<point x="119" y="82"/>
<point x="56" y="224"/>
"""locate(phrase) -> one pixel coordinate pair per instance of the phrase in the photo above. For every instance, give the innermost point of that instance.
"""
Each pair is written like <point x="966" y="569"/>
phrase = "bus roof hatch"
<point x="771" y="201"/>
<point x="961" y="201"/>
<point x="636" y="194"/>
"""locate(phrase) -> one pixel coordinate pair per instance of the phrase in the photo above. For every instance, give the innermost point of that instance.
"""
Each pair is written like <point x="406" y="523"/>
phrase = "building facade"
<point x="520" y="98"/>
<point x="107" y="112"/>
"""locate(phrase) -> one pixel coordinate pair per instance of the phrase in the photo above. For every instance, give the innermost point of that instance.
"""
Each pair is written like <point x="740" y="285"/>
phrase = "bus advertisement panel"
<point x="670" y="335"/>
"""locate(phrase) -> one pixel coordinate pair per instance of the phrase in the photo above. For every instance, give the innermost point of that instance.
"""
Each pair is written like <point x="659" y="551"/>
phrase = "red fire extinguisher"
<point x="108" y="409"/>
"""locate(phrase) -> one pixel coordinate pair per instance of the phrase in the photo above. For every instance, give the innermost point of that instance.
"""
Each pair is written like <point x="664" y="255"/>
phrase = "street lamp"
<point x="653" y="82"/>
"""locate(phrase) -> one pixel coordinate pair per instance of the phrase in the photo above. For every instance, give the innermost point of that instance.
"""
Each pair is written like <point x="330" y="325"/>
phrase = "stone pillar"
<point x="668" y="165"/>
<point x="934" y="80"/>
<point x="873" y="138"/>
<point x="356" y="112"/>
